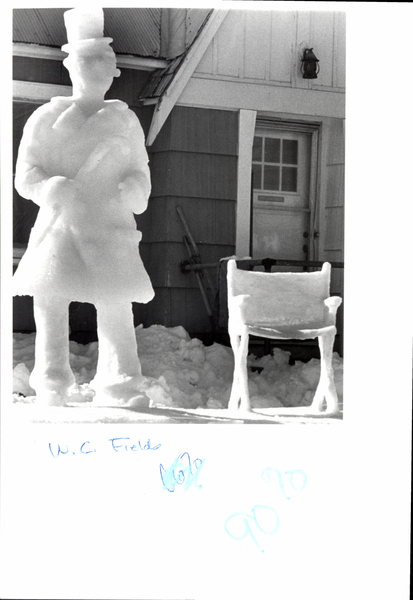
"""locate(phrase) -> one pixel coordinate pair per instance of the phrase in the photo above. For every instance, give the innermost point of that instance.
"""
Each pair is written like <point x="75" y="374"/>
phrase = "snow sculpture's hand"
<point x="134" y="192"/>
<point x="59" y="192"/>
<point x="60" y="203"/>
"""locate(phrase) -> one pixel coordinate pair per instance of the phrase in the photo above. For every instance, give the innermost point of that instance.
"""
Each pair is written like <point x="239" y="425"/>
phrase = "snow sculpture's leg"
<point x="239" y="398"/>
<point x="326" y="389"/>
<point x="118" y="376"/>
<point x="52" y="375"/>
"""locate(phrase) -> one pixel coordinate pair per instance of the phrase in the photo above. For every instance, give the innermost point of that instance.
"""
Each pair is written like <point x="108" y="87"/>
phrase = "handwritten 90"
<point x="264" y="519"/>
<point x="184" y="472"/>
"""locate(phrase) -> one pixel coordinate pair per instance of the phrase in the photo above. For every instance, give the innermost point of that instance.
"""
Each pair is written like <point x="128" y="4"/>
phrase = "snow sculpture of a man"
<point x="83" y="160"/>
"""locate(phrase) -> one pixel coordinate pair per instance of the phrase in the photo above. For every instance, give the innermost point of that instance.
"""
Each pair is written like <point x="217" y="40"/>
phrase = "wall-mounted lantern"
<point x="309" y="64"/>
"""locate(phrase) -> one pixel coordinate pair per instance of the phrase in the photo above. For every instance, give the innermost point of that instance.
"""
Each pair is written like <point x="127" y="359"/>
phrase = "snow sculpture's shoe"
<point x="52" y="388"/>
<point x="126" y="393"/>
<point x="45" y="397"/>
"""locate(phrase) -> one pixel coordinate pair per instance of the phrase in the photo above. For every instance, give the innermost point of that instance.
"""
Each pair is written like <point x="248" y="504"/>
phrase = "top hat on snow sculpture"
<point x="85" y="31"/>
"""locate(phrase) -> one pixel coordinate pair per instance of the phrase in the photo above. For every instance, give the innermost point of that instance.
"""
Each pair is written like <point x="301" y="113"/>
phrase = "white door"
<point x="281" y="207"/>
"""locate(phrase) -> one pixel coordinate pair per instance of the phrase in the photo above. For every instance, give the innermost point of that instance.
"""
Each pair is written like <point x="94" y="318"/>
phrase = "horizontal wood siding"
<point x="172" y="307"/>
<point x="165" y="258"/>
<point x="194" y="175"/>
<point x="194" y="166"/>
<point x="214" y="221"/>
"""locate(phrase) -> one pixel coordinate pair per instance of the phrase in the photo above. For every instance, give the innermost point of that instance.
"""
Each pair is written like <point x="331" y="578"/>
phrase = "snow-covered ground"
<point x="182" y="373"/>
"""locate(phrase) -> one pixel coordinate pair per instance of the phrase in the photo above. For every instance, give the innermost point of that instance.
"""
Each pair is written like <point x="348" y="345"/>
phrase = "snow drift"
<point x="184" y="373"/>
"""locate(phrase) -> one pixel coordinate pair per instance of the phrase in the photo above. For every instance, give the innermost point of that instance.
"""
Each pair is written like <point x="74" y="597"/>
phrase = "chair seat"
<point x="288" y="333"/>
<point x="282" y="306"/>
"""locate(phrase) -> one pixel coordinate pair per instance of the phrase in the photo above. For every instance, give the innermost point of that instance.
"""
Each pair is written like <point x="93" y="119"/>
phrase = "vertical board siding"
<point x="281" y="46"/>
<point x="257" y="45"/>
<point x="340" y="51"/>
<point x="334" y="186"/>
<point x="267" y="46"/>
<point x="229" y="44"/>
<point x="334" y="239"/>
<point x="206" y="64"/>
<point x="332" y="197"/>
<point x="322" y="40"/>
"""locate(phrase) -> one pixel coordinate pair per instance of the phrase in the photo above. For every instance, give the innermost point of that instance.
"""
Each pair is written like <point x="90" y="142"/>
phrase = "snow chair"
<point x="281" y="306"/>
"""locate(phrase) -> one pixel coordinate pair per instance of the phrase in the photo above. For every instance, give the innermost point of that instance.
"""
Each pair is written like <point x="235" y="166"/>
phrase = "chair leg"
<point x="239" y="398"/>
<point x="326" y="389"/>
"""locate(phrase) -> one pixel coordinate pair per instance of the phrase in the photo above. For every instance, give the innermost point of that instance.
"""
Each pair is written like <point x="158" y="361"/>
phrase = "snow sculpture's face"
<point x="95" y="70"/>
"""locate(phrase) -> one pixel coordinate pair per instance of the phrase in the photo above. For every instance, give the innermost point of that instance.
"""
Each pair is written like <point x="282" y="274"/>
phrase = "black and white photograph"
<point x="227" y="144"/>
<point x="206" y="301"/>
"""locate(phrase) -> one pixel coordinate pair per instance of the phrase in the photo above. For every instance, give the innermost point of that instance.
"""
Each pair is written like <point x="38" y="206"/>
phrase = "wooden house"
<point x="249" y="149"/>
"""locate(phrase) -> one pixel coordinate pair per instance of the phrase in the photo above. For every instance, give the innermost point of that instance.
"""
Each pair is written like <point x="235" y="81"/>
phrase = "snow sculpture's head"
<point x="91" y="61"/>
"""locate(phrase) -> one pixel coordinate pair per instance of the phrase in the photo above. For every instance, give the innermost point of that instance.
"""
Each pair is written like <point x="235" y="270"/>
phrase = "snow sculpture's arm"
<point x="136" y="186"/>
<point x="32" y="180"/>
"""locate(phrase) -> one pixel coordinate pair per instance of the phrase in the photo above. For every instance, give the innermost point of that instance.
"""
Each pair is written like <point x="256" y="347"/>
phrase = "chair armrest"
<point x="332" y="305"/>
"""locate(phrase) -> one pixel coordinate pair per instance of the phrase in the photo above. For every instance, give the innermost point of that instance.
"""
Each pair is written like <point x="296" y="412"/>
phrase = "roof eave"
<point x="127" y="61"/>
<point x="186" y="65"/>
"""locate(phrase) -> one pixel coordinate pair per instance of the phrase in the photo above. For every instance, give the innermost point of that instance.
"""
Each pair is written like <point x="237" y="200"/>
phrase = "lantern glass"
<point x="309" y="64"/>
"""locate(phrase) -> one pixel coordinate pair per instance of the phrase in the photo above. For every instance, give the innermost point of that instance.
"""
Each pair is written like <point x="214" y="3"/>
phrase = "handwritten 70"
<point x="263" y="518"/>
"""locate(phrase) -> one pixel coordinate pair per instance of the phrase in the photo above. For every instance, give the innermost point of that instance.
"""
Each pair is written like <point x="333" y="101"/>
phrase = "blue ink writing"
<point x="301" y="479"/>
<point x="117" y="445"/>
<point x="85" y="451"/>
<point x="242" y="524"/>
<point x="184" y="473"/>
<point x="271" y="519"/>
<point x="58" y="450"/>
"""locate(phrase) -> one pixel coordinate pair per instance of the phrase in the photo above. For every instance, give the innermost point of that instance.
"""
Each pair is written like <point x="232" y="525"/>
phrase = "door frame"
<point x="249" y="121"/>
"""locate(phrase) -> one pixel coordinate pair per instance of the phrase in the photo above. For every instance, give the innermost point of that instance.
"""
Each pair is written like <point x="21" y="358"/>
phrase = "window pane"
<point x="290" y="151"/>
<point x="272" y="150"/>
<point x="289" y="179"/>
<point x="271" y="178"/>
<point x="257" y="149"/>
<point x="256" y="177"/>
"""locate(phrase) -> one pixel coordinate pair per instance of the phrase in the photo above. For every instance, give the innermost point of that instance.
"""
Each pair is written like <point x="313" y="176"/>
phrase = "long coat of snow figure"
<point x="83" y="160"/>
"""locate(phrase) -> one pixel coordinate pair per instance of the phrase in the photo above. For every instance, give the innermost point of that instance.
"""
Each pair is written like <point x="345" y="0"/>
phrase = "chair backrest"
<point x="280" y="298"/>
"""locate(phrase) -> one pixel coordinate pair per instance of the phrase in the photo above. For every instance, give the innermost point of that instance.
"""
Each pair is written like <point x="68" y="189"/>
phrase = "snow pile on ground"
<point x="181" y="372"/>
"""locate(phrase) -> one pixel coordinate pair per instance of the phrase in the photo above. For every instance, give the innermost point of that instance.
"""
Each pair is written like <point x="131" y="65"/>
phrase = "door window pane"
<point x="271" y="177"/>
<point x="256" y="177"/>
<point x="257" y="149"/>
<point x="290" y="152"/>
<point x="272" y="150"/>
<point x="289" y="179"/>
<point x="275" y="163"/>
